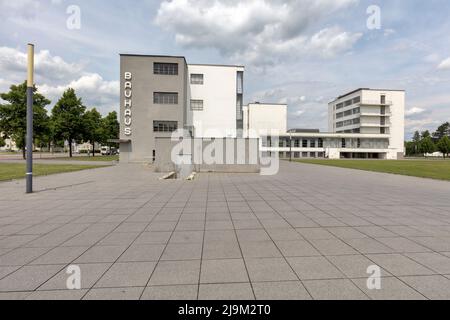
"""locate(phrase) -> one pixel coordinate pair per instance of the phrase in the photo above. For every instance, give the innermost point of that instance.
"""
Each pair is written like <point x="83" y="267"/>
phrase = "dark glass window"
<point x="165" y="98"/>
<point x="165" y="126"/>
<point x="170" y="69"/>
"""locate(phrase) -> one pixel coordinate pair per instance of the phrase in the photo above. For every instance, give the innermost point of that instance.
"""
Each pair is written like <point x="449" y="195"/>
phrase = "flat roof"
<point x="361" y="89"/>
<point x="215" y="65"/>
<point x="151" y="56"/>
<point x="267" y="103"/>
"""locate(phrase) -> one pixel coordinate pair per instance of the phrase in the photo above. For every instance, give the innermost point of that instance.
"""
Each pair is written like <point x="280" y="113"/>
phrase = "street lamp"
<point x="30" y="85"/>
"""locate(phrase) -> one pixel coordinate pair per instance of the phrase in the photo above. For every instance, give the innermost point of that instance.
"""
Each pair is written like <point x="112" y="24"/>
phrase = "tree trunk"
<point x="23" y="153"/>
<point x="93" y="149"/>
<point x="70" y="148"/>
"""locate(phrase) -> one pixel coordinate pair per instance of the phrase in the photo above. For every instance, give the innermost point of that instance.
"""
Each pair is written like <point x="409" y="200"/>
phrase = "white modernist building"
<point x="161" y="94"/>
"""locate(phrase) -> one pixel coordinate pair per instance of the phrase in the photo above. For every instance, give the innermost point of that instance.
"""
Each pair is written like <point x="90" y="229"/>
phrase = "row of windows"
<point x="348" y="103"/>
<point x="197" y="78"/>
<point x="165" y="126"/>
<point x="348" y="113"/>
<point x="197" y="105"/>
<point x="348" y="122"/>
<point x="297" y="155"/>
<point x="170" y="69"/>
<point x="165" y="98"/>
<point x="296" y="143"/>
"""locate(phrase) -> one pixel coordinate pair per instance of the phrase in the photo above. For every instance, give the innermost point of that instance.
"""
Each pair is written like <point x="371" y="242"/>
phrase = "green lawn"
<point x="434" y="169"/>
<point x="10" y="171"/>
<point x="96" y="158"/>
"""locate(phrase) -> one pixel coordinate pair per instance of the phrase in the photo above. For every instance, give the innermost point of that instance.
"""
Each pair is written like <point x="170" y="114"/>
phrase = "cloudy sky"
<point x="302" y="52"/>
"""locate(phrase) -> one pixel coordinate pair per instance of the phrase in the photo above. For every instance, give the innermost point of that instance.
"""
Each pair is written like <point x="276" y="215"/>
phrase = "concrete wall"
<point x="144" y="111"/>
<point x="218" y="92"/>
<point x="262" y="118"/>
<point x="237" y="155"/>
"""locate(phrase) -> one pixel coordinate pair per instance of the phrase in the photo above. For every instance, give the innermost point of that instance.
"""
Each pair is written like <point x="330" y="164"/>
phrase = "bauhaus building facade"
<point x="160" y="94"/>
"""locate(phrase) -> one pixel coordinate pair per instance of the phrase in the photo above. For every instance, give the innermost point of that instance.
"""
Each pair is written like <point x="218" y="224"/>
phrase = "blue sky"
<point x="303" y="52"/>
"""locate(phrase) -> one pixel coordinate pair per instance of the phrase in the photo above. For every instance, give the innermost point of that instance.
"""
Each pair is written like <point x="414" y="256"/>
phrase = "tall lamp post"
<point x="30" y="85"/>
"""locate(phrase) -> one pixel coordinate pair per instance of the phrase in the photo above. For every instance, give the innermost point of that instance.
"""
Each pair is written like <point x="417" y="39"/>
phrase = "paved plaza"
<point x="309" y="232"/>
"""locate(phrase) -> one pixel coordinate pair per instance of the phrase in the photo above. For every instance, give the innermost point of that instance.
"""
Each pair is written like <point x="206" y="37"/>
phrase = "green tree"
<point x="410" y="148"/>
<point x="444" y="145"/>
<point x="427" y="145"/>
<point x="13" y="115"/>
<point x="442" y="131"/>
<point x="426" y="134"/>
<point x="111" y="126"/>
<point x="94" y="130"/>
<point x="67" y="117"/>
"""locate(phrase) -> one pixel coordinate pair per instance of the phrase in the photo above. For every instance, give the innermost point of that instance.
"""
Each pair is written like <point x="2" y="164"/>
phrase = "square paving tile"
<point x="339" y="289"/>
<point x="176" y="272"/>
<point x="314" y="268"/>
<point x="28" y="278"/>
<point x="137" y="275"/>
<point x="399" y="265"/>
<point x="182" y="251"/>
<point x="223" y="271"/>
<point x="114" y="294"/>
<point x="269" y="269"/>
<point x="184" y="292"/>
<point x="299" y="248"/>
<point x="433" y="287"/>
<point x="391" y="289"/>
<point x="287" y="290"/>
<point x="227" y="291"/>
<point x="142" y="252"/>
<point x="259" y="249"/>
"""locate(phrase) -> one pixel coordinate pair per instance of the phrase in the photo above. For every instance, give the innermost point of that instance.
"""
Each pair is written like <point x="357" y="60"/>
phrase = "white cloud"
<point x="19" y="8"/>
<point x="54" y="75"/>
<point x="414" y="111"/>
<point x="13" y="63"/>
<point x="92" y="88"/>
<point x="255" y="31"/>
<point x="445" y="64"/>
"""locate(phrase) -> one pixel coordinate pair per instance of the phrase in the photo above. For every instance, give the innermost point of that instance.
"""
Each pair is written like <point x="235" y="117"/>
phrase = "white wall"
<point x="265" y="117"/>
<point x="218" y="92"/>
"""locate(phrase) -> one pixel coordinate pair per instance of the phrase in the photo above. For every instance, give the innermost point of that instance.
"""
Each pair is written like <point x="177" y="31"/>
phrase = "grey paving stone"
<point x="28" y="278"/>
<point x="298" y="248"/>
<point x="368" y="245"/>
<point x="315" y="233"/>
<point x="403" y="245"/>
<point x="332" y="247"/>
<point x="433" y="287"/>
<point x="182" y="251"/>
<point x="21" y="256"/>
<point x="354" y="266"/>
<point x="287" y="290"/>
<point x="339" y="289"/>
<point x="399" y="265"/>
<point x="153" y="237"/>
<point x="269" y="269"/>
<point x="176" y="273"/>
<point x="90" y="274"/>
<point x="114" y="294"/>
<point x="182" y="292"/>
<point x="434" y="261"/>
<point x="98" y="254"/>
<point x="221" y="250"/>
<point x="223" y="271"/>
<point x="142" y="252"/>
<point x="314" y="268"/>
<point x="391" y="289"/>
<point x="119" y="239"/>
<point x="60" y="255"/>
<point x="252" y="235"/>
<point x="57" y="295"/>
<point x="288" y="234"/>
<point x="227" y="291"/>
<point x="137" y="275"/>
<point x="14" y="295"/>
<point x="220" y="235"/>
<point x="187" y="237"/>
<point x="259" y="249"/>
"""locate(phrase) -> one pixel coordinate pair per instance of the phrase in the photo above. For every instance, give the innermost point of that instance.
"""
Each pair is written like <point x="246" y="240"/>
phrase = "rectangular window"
<point x="165" y="126"/>
<point x="320" y="143"/>
<point x="170" y="69"/>
<point x="296" y="155"/>
<point x="305" y="144"/>
<point x="312" y="143"/>
<point x="382" y="130"/>
<point x="297" y="143"/>
<point x="348" y="103"/>
<point x="196" y="78"/>
<point x="383" y="99"/>
<point x="348" y="113"/>
<point x="344" y="145"/>
<point x="165" y="98"/>
<point x="339" y="115"/>
<point x="197" y="105"/>
<point x="357" y="100"/>
<point x="339" y="106"/>
<point x="304" y="154"/>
